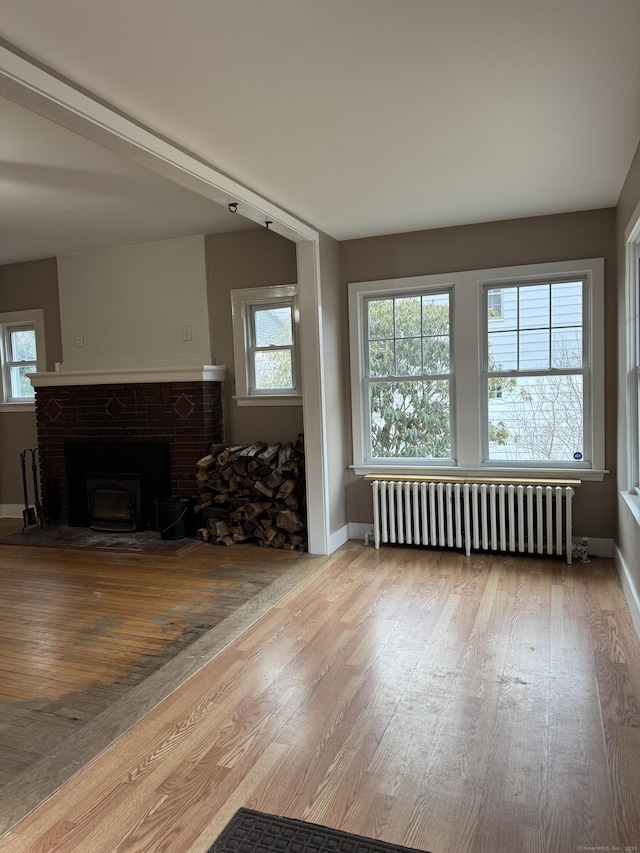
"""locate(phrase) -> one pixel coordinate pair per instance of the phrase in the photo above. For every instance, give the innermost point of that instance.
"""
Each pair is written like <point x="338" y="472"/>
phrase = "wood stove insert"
<point x="124" y="480"/>
<point x="114" y="502"/>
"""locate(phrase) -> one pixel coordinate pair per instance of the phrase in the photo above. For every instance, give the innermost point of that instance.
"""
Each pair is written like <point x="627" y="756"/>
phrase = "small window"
<point x="265" y="332"/>
<point x="22" y="353"/>
<point x="271" y="361"/>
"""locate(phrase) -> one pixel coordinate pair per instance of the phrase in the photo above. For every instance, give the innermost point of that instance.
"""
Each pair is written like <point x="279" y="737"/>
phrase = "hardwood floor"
<point x="425" y="698"/>
<point x="81" y="630"/>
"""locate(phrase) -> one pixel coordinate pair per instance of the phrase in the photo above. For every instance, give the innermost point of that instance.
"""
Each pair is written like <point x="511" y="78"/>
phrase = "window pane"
<point x="435" y="314"/>
<point x="435" y="355"/>
<point x="534" y="306"/>
<point x="508" y="318"/>
<point x="566" y="347"/>
<point x="408" y="356"/>
<point x="566" y="304"/>
<point x="537" y="419"/>
<point x="273" y="326"/>
<point x="380" y="318"/>
<point x="20" y="385"/>
<point x="534" y="349"/>
<point x="410" y="419"/>
<point x="273" y="369"/>
<point x="503" y="351"/>
<point x="381" y="358"/>
<point x="408" y="319"/>
<point x="23" y="345"/>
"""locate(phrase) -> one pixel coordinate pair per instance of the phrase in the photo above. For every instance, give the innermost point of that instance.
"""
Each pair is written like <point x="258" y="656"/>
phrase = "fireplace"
<point x="125" y="415"/>
<point x="114" y="503"/>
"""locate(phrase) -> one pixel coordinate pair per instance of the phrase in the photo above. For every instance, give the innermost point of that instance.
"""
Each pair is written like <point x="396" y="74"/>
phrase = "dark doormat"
<point x="249" y="831"/>
<point x="141" y="542"/>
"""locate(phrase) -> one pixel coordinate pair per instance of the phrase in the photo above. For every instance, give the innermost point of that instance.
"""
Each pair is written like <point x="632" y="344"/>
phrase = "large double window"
<point x="481" y="369"/>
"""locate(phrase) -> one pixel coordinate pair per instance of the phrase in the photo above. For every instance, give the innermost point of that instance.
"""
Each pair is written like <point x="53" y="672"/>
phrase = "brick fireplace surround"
<point x="182" y="408"/>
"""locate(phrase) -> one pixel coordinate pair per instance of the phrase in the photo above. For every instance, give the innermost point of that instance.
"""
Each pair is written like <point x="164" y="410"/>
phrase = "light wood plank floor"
<point x="80" y="630"/>
<point x="425" y="698"/>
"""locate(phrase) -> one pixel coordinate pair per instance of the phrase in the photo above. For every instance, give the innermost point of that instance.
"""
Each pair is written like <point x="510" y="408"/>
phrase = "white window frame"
<point x="632" y="276"/>
<point x="31" y="319"/>
<point x="584" y="371"/>
<point x="367" y="380"/>
<point x="243" y="302"/>
<point x="467" y="387"/>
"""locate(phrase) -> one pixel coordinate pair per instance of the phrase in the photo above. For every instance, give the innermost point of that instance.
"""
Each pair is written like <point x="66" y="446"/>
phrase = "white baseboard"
<point x="338" y="538"/>
<point x="358" y="529"/>
<point x="633" y="600"/>
<point x="11" y="510"/>
<point x="596" y="547"/>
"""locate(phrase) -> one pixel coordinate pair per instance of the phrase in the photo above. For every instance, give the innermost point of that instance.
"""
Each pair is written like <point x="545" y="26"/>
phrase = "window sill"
<point x="17" y="407"/>
<point x="269" y="400"/>
<point x="633" y="502"/>
<point x="481" y="473"/>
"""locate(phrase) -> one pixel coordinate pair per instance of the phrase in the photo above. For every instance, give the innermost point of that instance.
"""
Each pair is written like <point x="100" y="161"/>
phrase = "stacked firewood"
<point x="254" y="494"/>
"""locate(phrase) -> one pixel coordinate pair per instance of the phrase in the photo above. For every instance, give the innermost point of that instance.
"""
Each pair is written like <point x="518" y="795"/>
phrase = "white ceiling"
<point x="362" y="117"/>
<point x="61" y="194"/>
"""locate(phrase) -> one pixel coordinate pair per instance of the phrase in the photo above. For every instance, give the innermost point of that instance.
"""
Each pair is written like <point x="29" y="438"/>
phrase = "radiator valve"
<point x="368" y="537"/>
<point x="580" y="550"/>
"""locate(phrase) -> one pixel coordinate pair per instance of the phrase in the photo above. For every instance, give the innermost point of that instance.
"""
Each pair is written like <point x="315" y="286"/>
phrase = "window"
<point x="407" y="378"/>
<point x="21" y="352"/>
<point x="536" y="378"/>
<point x="485" y="369"/>
<point x="265" y="331"/>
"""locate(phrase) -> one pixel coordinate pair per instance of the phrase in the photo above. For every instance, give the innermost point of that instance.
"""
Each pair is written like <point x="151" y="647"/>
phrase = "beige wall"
<point x="131" y="304"/>
<point x="33" y="284"/>
<point x="496" y="244"/>
<point x="254" y="258"/>
<point x="628" y="531"/>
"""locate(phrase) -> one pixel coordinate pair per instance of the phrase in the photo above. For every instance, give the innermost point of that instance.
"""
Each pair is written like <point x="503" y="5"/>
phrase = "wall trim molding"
<point x="633" y="600"/>
<point x="339" y="537"/>
<point x="359" y="529"/>
<point x="11" y="510"/>
<point x="596" y="547"/>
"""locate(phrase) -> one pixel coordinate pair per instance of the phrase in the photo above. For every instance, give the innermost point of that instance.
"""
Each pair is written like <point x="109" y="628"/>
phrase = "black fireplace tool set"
<point x="42" y="513"/>
<point x="31" y="515"/>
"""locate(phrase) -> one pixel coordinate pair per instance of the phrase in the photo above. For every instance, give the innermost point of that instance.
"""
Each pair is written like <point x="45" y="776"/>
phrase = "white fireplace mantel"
<point x="207" y="373"/>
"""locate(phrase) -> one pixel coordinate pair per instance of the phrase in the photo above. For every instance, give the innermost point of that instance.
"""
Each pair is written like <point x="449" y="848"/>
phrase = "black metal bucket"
<point x="175" y="517"/>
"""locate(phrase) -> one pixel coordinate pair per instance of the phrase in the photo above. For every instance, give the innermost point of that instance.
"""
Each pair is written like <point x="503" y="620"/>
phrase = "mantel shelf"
<point x="207" y="373"/>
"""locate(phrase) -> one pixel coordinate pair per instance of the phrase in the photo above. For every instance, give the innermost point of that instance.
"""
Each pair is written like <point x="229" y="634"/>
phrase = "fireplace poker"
<point x="30" y="514"/>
